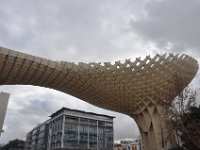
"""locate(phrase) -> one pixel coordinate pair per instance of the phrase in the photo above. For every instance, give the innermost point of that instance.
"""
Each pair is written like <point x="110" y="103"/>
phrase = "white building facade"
<point x="70" y="129"/>
<point x="4" y="97"/>
<point x="79" y="130"/>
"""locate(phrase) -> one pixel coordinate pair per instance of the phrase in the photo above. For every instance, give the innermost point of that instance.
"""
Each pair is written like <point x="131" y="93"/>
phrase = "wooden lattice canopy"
<point x="123" y="87"/>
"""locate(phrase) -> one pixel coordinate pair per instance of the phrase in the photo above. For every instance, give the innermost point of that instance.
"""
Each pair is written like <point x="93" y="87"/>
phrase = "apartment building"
<point x="37" y="138"/>
<point x="79" y="130"/>
<point x="70" y="129"/>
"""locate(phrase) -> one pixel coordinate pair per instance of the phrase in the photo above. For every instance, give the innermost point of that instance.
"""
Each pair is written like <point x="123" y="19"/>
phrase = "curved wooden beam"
<point x="133" y="87"/>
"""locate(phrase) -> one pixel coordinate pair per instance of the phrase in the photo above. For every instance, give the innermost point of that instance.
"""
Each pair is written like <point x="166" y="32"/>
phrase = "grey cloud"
<point x="73" y="31"/>
<point x="126" y="126"/>
<point x="171" y="24"/>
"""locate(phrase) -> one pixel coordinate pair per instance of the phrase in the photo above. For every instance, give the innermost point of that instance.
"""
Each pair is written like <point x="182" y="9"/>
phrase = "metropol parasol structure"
<point x="142" y="89"/>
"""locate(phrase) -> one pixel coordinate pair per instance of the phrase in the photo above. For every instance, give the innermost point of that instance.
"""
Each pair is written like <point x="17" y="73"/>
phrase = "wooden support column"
<point x="153" y="128"/>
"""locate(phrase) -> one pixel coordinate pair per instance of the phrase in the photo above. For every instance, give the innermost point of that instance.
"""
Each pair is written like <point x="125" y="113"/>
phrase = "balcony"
<point x="83" y="133"/>
<point x="70" y="132"/>
<point x="93" y="142"/>
<point x="93" y="134"/>
<point x="72" y="140"/>
<point x="83" y="141"/>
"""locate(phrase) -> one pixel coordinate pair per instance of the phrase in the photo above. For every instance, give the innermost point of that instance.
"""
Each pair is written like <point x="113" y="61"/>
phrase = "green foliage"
<point x="188" y="127"/>
<point x="191" y="129"/>
<point x="13" y="144"/>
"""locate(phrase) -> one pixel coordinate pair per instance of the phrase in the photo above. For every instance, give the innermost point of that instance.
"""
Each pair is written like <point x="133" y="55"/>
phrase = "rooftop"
<point x="81" y="111"/>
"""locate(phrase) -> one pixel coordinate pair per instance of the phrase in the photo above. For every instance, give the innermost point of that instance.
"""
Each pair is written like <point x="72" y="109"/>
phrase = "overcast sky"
<point x="89" y="30"/>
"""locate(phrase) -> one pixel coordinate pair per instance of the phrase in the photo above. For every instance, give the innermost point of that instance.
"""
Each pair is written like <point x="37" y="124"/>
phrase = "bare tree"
<point x="179" y="109"/>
